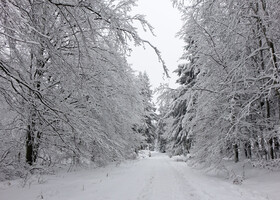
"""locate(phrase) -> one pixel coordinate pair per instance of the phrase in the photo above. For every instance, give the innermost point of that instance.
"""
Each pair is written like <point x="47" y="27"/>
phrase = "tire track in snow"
<point x="147" y="190"/>
<point x="165" y="182"/>
<point x="213" y="188"/>
<point x="187" y="191"/>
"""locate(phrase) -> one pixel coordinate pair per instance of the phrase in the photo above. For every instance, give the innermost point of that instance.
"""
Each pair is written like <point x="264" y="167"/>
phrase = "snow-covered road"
<point x="155" y="178"/>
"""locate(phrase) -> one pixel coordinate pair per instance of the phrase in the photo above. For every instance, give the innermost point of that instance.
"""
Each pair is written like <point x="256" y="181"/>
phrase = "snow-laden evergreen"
<point x="228" y="103"/>
<point x="147" y="126"/>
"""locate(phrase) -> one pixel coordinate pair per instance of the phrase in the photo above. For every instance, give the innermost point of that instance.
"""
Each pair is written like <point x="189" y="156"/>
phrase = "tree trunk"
<point x="29" y="146"/>
<point x="248" y="152"/>
<point x="276" y="147"/>
<point x="32" y="142"/>
<point x="271" y="150"/>
<point x="235" y="150"/>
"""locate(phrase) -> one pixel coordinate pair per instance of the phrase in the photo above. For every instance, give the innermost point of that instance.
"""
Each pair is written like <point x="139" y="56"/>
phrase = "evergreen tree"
<point x="147" y="127"/>
<point x="233" y="47"/>
<point x="182" y="109"/>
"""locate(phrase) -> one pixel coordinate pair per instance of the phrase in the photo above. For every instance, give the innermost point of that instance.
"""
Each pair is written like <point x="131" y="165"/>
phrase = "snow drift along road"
<point x="155" y="178"/>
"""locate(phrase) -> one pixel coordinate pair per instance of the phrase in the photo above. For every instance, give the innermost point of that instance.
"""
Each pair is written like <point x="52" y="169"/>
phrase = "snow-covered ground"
<point x="149" y="178"/>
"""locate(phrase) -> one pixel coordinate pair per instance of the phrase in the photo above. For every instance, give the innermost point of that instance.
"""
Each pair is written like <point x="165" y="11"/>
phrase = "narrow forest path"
<point x="154" y="178"/>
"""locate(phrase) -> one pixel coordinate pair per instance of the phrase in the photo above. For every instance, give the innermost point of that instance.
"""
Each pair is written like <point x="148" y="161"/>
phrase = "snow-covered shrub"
<point x="273" y="165"/>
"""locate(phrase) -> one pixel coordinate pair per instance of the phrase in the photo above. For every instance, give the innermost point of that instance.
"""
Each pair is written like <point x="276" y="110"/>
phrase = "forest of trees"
<point x="68" y="95"/>
<point x="228" y="102"/>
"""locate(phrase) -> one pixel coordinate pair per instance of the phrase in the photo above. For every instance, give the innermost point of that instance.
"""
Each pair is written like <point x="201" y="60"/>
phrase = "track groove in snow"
<point x="155" y="178"/>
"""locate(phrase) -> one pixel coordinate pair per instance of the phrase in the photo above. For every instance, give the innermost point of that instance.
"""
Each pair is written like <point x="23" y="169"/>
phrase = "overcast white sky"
<point x="166" y="21"/>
